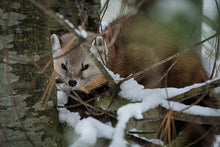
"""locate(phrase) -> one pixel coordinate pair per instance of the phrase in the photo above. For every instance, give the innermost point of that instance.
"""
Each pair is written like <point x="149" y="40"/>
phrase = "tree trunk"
<point x="24" y="49"/>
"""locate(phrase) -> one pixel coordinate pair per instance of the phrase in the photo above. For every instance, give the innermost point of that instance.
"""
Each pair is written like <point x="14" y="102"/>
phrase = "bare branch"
<point x="196" y="91"/>
<point x="209" y="120"/>
<point x="48" y="89"/>
<point x="102" y="13"/>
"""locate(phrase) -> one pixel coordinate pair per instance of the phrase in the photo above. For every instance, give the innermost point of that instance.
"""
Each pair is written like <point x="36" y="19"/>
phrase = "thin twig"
<point x="141" y="132"/>
<point x="102" y="12"/>
<point x="216" y="56"/>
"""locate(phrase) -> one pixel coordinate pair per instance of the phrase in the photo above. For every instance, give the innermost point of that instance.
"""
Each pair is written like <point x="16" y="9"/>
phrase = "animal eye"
<point x="64" y="66"/>
<point x="85" y="67"/>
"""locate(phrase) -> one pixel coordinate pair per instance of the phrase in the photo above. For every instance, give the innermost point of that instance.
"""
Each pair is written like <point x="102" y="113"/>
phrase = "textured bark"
<point x="24" y="40"/>
<point x="89" y="13"/>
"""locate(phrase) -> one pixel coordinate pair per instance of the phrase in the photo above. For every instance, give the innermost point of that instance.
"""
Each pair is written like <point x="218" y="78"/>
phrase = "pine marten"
<point x="127" y="46"/>
<point x="137" y="44"/>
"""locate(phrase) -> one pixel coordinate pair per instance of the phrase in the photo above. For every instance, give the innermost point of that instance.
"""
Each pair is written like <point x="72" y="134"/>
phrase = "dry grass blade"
<point x="84" y="22"/>
<point x="48" y="90"/>
<point x="167" y="130"/>
<point x="46" y="66"/>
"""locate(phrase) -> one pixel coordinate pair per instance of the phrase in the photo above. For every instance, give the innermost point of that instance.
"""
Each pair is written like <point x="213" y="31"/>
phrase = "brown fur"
<point x="140" y="43"/>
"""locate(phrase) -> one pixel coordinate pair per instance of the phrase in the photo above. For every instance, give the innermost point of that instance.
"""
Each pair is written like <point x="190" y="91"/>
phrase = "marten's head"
<point x="73" y="65"/>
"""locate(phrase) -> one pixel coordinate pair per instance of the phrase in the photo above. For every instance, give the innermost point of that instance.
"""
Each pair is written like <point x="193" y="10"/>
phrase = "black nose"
<point x="72" y="83"/>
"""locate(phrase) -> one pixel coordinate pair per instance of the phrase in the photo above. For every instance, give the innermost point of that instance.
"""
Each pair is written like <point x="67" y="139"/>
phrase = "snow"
<point x="217" y="141"/>
<point x="151" y="98"/>
<point x="83" y="32"/>
<point x="123" y="117"/>
<point x="89" y="128"/>
<point x="133" y="91"/>
<point x="195" y="110"/>
<point x="103" y="26"/>
<point x="116" y="77"/>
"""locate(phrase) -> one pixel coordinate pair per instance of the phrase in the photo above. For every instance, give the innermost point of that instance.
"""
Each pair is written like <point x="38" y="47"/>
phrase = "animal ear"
<point x="99" y="49"/>
<point x="56" y="46"/>
<point x="56" y="49"/>
<point x="98" y="45"/>
<point x="99" y="41"/>
<point x="55" y="41"/>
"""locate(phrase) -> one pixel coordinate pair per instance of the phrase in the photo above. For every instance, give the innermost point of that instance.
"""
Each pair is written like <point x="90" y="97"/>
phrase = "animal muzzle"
<point x="72" y="83"/>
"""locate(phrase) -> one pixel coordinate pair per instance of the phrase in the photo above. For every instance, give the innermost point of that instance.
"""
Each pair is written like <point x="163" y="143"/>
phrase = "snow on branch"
<point x="211" y="120"/>
<point x="151" y="98"/>
<point x="199" y="89"/>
